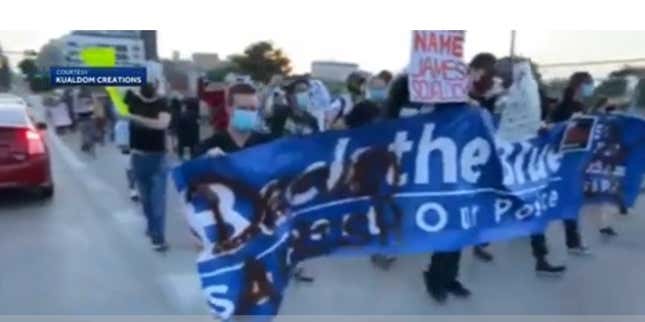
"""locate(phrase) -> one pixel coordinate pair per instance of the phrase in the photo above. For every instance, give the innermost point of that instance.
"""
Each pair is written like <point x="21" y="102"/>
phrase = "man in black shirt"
<point x="149" y="119"/>
<point x="242" y="108"/>
<point x="241" y="133"/>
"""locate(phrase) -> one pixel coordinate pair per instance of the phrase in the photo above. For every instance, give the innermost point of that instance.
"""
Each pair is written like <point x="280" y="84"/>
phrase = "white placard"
<point x="437" y="72"/>
<point x="520" y="109"/>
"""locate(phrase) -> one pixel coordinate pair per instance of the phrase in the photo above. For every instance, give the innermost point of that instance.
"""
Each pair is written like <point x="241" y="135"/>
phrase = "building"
<point x="129" y="45"/>
<point x="207" y="61"/>
<point x="332" y="71"/>
<point x="176" y="56"/>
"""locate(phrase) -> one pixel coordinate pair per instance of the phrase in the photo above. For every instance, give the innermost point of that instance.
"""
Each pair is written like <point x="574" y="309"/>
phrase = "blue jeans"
<point x="150" y="175"/>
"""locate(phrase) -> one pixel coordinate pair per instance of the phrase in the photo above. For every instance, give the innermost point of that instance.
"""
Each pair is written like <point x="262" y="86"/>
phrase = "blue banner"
<point x="97" y="76"/>
<point x="612" y="173"/>
<point x="435" y="182"/>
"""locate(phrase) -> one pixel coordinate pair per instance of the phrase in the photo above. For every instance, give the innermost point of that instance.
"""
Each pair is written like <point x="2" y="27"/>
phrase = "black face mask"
<point x="484" y="84"/>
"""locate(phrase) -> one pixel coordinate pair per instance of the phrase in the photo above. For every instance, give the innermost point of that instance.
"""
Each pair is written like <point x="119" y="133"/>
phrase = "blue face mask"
<point x="376" y="95"/>
<point x="586" y="90"/>
<point x="303" y="100"/>
<point x="244" y="120"/>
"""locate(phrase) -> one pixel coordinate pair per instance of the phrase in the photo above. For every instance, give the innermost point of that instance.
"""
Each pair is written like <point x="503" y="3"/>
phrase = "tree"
<point x="261" y="61"/>
<point x="28" y="67"/>
<point x="50" y="55"/>
<point x="5" y="73"/>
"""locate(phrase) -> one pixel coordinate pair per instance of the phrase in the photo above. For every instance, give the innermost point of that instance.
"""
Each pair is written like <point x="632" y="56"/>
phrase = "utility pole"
<point x="512" y="44"/>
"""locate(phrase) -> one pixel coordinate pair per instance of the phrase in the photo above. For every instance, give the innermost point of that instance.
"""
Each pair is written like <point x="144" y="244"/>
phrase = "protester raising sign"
<point x="437" y="72"/>
<point x="436" y="182"/>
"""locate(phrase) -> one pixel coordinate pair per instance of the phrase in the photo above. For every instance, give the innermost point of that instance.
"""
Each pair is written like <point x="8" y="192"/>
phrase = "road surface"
<point x="84" y="252"/>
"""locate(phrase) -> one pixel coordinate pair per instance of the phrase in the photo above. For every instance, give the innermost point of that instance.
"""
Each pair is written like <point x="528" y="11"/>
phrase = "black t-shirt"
<point x="225" y="142"/>
<point x="487" y="103"/>
<point x="565" y="110"/>
<point x="143" y="138"/>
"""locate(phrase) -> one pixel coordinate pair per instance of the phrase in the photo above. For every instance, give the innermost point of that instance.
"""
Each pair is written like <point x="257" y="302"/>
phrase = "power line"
<point x="593" y="62"/>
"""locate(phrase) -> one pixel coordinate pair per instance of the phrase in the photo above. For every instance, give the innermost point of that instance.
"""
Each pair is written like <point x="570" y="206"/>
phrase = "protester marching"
<point x="442" y="156"/>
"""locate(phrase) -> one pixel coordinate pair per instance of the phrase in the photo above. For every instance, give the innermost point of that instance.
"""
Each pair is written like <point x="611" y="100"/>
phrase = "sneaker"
<point x="580" y="251"/>
<point x="457" y="289"/>
<point x="608" y="232"/>
<point x="545" y="269"/>
<point x="623" y="210"/>
<point x="134" y="195"/>
<point x="161" y="248"/>
<point x="439" y="294"/>
<point x="382" y="261"/>
<point x="482" y="254"/>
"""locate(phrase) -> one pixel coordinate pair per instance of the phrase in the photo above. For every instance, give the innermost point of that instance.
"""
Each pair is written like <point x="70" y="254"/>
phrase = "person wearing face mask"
<point x="369" y="111"/>
<point x="356" y="86"/>
<point x="297" y="117"/>
<point x="386" y="76"/>
<point x="241" y="133"/>
<point x="490" y="78"/>
<point x="343" y="105"/>
<point x="375" y="95"/>
<point x="376" y="90"/>
<point x="441" y="276"/>
<point x="149" y="119"/>
<point x="484" y="92"/>
<point x="485" y="87"/>
<point x="578" y="90"/>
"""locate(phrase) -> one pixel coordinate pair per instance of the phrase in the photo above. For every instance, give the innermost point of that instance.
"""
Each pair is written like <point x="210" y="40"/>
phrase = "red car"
<point x="24" y="156"/>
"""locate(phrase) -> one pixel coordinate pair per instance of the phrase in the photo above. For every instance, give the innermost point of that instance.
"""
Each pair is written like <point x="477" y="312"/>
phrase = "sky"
<point x="382" y="49"/>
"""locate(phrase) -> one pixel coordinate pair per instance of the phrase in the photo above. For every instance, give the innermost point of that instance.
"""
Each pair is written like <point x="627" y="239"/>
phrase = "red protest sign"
<point x="437" y="72"/>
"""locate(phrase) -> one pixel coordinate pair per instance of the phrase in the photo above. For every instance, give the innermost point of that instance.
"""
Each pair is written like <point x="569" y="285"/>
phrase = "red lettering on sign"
<point x="458" y="46"/>
<point x="437" y="90"/>
<point x="419" y="41"/>
<point x="439" y="68"/>
<point x="442" y="42"/>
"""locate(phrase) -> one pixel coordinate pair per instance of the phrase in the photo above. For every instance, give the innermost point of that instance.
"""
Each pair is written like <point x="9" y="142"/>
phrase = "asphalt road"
<point x="84" y="252"/>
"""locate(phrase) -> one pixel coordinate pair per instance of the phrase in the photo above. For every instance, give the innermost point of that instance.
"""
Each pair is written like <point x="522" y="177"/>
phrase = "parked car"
<point x="24" y="155"/>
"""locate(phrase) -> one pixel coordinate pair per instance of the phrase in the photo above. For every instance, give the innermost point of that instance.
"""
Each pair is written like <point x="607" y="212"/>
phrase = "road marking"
<point x="67" y="154"/>
<point x="93" y="182"/>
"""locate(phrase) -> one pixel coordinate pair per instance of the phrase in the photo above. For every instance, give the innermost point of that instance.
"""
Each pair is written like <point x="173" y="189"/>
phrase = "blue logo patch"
<point x="97" y="76"/>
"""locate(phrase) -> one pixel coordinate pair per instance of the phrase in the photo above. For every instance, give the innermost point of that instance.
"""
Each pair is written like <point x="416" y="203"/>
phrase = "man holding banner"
<point x="488" y="76"/>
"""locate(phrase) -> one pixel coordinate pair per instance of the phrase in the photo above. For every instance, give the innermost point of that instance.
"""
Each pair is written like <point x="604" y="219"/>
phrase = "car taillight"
<point x="35" y="143"/>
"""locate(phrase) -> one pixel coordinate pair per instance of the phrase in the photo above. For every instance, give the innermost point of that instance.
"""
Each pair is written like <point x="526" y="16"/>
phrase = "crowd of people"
<point x="298" y="106"/>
